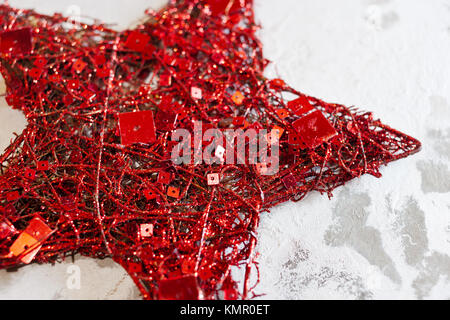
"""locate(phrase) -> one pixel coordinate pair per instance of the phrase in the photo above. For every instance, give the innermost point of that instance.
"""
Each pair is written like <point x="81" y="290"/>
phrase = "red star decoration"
<point x="91" y="173"/>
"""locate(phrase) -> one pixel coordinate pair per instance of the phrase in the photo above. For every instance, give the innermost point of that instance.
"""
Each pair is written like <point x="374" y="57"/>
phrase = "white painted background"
<point x="385" y="238"/>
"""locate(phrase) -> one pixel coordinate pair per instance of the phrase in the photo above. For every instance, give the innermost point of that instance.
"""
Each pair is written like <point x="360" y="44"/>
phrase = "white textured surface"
<point x="385" y="238"/>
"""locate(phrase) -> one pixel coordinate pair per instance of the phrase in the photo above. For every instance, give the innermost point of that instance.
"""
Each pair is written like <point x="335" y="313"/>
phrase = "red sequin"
<point x="183" y="288"/>
<point x="137" y="127"/>
<point x="16" y="42"/>
<point x="314" y="129"/>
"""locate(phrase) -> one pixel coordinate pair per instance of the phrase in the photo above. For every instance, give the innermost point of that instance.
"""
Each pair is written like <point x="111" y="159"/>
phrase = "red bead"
<point x="261" y="168"/>
<point x="197" y="41"/>
<point x="184" y="64"/>
<point x="205" y="273"/>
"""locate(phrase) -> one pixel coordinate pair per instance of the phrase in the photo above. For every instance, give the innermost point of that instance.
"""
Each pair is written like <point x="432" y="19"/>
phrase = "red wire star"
<point x="92" y="172"/>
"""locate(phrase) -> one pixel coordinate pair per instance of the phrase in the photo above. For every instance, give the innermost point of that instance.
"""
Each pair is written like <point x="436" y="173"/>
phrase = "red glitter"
<point x="92" y="168"/>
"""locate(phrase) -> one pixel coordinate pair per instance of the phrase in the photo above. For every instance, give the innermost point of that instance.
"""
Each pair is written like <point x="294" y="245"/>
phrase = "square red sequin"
<point x="314" y="129"/>
<point x="16" y="41"/>
<point x="182" y="288"/>
<point x="300" y="106"/>
<point x="137" y="41"/>
<point x="42" y="166"/>
<point x="221" y="6"/>
<point x="173" y="192"/>
<point x="137" y="127"/>
<point x="164" y="177"/>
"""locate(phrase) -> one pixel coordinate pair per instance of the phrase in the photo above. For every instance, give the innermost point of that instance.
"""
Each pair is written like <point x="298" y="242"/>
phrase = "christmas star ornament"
<point x="92" y="172"/>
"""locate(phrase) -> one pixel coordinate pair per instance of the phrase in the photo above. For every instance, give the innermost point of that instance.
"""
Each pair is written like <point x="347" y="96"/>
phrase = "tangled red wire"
<point x="78" y="181"/>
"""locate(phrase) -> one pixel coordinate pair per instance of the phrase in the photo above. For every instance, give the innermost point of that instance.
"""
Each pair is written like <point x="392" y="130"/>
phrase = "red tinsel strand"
<point x="176" y="235"/>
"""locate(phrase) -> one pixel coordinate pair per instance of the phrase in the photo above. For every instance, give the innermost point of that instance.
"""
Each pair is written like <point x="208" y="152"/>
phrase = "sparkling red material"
<point x="138" y="41"/>
<point x="94" y="161"/>
<point x="219" y="7"/>
<point x="6" y="228"/>
<point x="42" y="166"/>
<point x="16" y="42"/>
<point x="300" y="106"/>
<point x="182" y="288"/>
<point x="12" y="196"/>
<point x="137" y="127"/>
<point x="29" y="242"/>
<point x="314" y="129"/>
